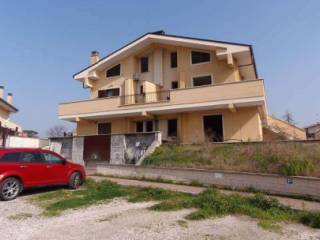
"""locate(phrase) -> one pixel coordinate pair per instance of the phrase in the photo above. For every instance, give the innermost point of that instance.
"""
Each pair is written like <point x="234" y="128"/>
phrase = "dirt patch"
<point x="122" y="220"/>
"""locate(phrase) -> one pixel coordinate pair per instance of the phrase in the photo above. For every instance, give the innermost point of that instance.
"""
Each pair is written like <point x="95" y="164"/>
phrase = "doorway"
<point x="213" y="128"/>
<point x="97" y="148"/>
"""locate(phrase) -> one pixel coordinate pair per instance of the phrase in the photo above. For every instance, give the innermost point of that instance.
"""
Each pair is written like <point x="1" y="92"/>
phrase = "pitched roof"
<point x="163" y="34"/>
<point x="9" y="107"/>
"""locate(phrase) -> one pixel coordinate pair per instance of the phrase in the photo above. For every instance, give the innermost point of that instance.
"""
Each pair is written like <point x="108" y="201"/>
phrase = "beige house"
<point x="192" y="90"/>
<point x="313" y="131"/>
<point x="6" y="109"/>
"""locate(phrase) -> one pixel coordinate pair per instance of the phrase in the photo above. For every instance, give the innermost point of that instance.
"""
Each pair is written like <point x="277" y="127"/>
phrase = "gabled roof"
<point x="239" y="49"/>
<point x="7" y="106"/>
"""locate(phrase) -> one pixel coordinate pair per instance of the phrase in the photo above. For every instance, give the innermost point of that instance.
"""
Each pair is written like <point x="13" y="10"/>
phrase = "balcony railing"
<point x="151" y="97"/>
<point x="238" y="91"/>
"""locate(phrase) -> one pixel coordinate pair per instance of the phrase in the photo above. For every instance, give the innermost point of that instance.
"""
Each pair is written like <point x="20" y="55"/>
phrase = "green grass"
<point x="209" y="204"/>
<point x="289" y="159"/>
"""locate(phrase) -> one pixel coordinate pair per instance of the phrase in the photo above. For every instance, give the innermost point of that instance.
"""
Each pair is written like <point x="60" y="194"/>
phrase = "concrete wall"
<point x="276" y="184"/>
<point x="278" y="128"/>
<point x="24" y="142"/>
<point x="129" y="148"/>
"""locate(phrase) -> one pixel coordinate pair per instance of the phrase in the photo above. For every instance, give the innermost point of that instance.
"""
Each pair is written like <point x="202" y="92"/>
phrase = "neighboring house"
<point x="6" y="109"/>
<point x="7" y="127"/>
<point x="278" y="129"/>
<point x="192" y="90"/>
<point x="313" y="131"/>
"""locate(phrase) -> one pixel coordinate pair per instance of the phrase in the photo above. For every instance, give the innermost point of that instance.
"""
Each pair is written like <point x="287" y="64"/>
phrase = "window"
<point x="200" y="57"/>
<point x="11" y="157"/>
<point x="139" y="126"/>
<point x="174" y="59"/>
<point x="149" y="126"/>
<point x="172" y="127"/>
<point x="174" y="85"/>
<point x="51" y="158"/>
<point x="114" y="71"/>
<point x="112" y="92"/>
<point x="144" y="64"/>
<point x="104" y="128"/>
<point x="203" y="80"/>
<point x="31" y="157"/>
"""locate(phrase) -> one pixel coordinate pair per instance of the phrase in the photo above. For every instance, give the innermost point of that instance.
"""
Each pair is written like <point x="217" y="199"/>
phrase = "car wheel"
<point x="75" y="180"/>
<point x="10" y="189"/>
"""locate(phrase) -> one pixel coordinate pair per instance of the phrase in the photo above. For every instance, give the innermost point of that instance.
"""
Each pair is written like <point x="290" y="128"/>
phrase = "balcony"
<point x="240" y="94"/>
<point x="152" y="97"/>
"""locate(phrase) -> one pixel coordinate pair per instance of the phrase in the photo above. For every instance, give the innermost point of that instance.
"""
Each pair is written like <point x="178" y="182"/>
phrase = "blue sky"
<point x="43" y="43"/>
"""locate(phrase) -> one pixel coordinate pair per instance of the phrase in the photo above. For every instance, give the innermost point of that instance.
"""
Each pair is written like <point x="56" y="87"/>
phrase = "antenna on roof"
<point x="161" y="32"/>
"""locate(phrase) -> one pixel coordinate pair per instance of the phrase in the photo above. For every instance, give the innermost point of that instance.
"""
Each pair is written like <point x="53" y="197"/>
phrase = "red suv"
<point x="26" y="168"/>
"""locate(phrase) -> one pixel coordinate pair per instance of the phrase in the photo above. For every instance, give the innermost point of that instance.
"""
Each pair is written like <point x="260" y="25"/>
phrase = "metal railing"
<point x="145" y="98"/>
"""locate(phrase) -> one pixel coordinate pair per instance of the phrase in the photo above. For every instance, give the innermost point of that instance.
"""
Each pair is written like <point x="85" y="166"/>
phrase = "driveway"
<point x="118" y="219"/>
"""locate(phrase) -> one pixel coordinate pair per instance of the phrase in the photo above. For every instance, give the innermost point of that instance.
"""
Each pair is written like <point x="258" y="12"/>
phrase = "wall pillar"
<point x="77" y="150"/>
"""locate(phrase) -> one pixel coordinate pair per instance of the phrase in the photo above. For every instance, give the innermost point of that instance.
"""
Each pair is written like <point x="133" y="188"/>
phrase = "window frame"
<point x="146" y="126"/>
<point x="177" y="82"/>
<point x="146" y="57"/>
<point x="176" y="133"/>
<point x="202" y="75"/>
<point x="99" y="124"/>
<point x="17" y="161"/>
<point x="200" y="51"/>
<point x="30" y="152"/>
<point x="137" y="126"/>
<point x="62" y="160"/>
<point x="109" y="89"/>
<point x="176" y="53"/>
<point x="108" y="77"/>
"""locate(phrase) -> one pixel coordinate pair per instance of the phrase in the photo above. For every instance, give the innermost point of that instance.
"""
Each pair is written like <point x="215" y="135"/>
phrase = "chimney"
<point x="1" y="91"/>
<point x="94" y="57"/>
<point x="9" y="98"/>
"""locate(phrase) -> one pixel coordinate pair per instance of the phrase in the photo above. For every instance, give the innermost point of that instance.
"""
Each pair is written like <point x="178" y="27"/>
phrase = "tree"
<point x="288" y="117"/>
<point x="57" y="131"/>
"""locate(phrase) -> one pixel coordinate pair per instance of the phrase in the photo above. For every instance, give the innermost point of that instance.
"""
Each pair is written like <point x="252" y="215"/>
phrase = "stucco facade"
<point x="189" y="84"/>
<point x="6" y="109"/>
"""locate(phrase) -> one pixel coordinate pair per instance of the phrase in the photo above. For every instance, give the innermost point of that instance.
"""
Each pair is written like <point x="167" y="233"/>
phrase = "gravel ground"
<point x="122" y="220"/>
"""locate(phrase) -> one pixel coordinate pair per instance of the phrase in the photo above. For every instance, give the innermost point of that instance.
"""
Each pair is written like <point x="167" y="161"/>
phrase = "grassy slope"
<point x="210" y="203"/>
<point x="281" y="158"/>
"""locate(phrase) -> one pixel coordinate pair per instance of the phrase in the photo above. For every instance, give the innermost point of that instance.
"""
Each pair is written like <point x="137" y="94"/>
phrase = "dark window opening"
<point x="104" y="128"/>
<point x="149" y="126"/>
<point x="200" y="57"/>
<point x="213" y="128"/>
<point x="52" y="159"/>
<point x="174" y="59"/>
<point x="31" y="157"/>
<point x="141" y="89"/>
<point x="11" y="157"/>
<point x="174" y="85"/>
<point x="200" y="81"/>
<point x="144" y="64"/>
<point x="114" y="71"/>
<point x="172" y="128"/>
<point x="109" y="93"/>
<point x="139" y="126"/>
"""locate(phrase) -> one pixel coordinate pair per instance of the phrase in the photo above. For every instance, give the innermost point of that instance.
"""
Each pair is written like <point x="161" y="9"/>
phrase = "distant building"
<point x="7" y="127"/>
<point x="313" y="131"/>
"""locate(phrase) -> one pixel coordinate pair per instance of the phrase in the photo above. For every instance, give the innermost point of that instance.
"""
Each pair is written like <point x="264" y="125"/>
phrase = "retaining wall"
<point x="271" y="183"/>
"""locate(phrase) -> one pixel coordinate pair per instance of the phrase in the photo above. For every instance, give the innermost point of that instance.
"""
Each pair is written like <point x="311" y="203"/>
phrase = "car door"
<point x="56" y="168"/>
<point x="33" y="168"/>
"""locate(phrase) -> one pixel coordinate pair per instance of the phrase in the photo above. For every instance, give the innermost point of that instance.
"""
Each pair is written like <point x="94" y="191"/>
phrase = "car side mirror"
<point x="64" y="162"/>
